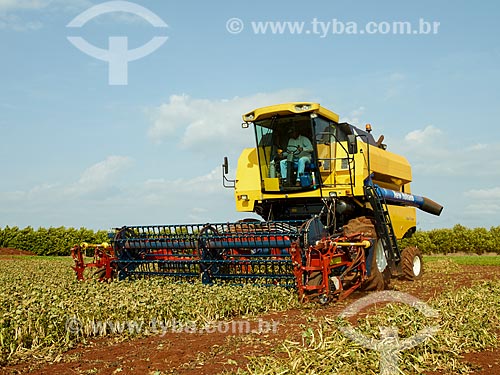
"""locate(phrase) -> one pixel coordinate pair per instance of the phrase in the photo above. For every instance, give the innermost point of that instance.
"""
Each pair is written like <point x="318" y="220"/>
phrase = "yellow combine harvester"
<point x="334" y="202"/>
<point x="348" y="180"/>
<point x="344" y="160"/>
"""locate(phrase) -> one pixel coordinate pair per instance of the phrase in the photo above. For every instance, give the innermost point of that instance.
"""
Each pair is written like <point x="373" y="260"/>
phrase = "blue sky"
<point x="77" y="151"/>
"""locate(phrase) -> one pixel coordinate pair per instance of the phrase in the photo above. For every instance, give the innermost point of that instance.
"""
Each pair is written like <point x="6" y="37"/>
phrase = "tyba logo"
<point x="117" y="55"/>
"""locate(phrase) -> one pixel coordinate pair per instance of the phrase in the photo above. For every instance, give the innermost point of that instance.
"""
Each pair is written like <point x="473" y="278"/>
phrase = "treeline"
<point x="58" y="241"/>
<point x="51" y="241"/>
<point x="458" y="239"/>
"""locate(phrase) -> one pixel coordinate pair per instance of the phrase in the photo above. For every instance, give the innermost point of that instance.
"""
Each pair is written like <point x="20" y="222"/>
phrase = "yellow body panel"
<point x="391" y="170"/>
<point x="271" y="184"/>
<point x="404" y="219"/>
<point x="247" y="181"/>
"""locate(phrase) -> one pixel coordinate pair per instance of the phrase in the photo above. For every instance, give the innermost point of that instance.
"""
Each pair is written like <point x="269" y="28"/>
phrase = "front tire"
<point x="380" y="274"/>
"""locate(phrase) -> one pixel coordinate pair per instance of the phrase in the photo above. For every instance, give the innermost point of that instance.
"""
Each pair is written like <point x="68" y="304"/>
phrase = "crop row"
<point x="44" y="310"/>
<point x="467" y="320"/>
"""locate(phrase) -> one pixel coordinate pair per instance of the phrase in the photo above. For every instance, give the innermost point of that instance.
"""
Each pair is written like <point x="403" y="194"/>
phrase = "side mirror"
<point x="352" y="144"/>
<point x="225" y="182"/>
<point x="244" y="125"/>
<point x="225" y="165"/>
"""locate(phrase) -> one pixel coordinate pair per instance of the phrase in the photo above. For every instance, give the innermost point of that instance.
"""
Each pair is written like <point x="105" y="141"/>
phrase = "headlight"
<point x="249" y="117"/>
<point x="302" y="107"/>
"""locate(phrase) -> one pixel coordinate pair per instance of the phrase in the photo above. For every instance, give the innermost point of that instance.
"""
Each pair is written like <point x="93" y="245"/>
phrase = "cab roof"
<point x="290" y="108"/>
<point x="304" y="108"/>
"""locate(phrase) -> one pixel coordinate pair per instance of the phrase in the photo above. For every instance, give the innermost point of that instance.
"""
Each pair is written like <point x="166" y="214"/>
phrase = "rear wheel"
<point x="412" y="264"/>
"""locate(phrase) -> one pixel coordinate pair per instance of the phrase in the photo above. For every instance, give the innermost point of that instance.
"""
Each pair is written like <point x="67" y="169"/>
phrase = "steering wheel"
<point x="294" y="150"/>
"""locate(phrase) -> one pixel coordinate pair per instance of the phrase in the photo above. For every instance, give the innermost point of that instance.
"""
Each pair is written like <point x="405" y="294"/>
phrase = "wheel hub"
<point x="417" y="266"/>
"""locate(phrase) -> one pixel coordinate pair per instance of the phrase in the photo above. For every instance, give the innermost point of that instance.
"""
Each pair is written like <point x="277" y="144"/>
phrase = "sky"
<point x="86" y="141"/>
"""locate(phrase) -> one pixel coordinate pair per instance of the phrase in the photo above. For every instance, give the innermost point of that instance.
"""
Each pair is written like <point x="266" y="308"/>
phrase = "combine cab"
<point x="334" y="203"/>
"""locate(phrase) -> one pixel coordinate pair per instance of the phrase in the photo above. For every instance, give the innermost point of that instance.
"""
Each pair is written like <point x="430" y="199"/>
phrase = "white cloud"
<point x="32" y="194"/>
<point x="14" y="5"/>
<point x="155" y="190"/>
<point x="15" y="23"/>
<point x="183" y="200"/>
<point x="103" y="171"/>
<point x="477" y="147"/>
<point x="100" y="176"/>
<point x="33" y="5"/>
<point x="97" y="181"/>
<point x="480" y="209"/>
<point x="432" y="152"/>
<point x="427" y="150"/>
<point x="484" y="194"/>
<point x="180" y="109"/>
<point x="483" y="201"/>
<point x="354" y="116"/>
<point x="448" y="168"/>
<point x="202" y="124"/>
<point x="428" y="134"/>
<point x="11" y="20"/>
<point x="178" y="200"/>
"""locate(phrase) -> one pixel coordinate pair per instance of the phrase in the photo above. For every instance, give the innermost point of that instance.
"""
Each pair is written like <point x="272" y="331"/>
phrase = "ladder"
<point x="383" y="226"/>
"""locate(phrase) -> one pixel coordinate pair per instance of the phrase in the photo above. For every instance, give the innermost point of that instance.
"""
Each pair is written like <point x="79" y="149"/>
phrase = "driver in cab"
<point x="299" y="149"/>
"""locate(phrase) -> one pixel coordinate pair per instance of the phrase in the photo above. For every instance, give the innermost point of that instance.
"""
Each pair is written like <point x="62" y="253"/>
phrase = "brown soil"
<point x="203" y="353"/>
<point x="11" y="251"/>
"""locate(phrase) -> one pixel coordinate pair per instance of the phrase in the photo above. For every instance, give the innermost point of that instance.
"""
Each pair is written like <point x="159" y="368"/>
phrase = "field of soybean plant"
<point x="50" y="322"/>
